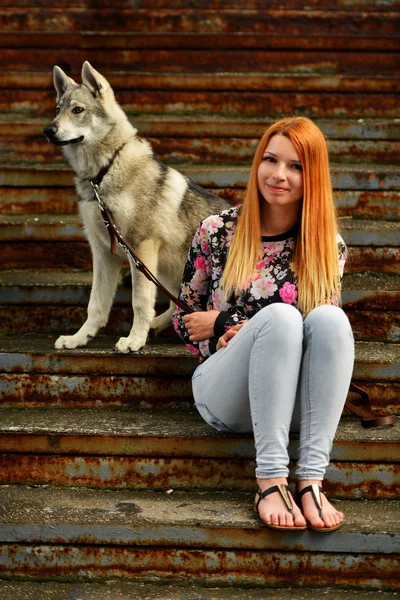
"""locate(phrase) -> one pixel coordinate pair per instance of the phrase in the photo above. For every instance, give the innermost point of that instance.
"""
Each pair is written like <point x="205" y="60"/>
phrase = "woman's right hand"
<point x="229" y="334"/>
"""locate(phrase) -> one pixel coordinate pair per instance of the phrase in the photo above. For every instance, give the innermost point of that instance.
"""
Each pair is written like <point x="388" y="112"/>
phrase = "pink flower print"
<point x="288" y="293"/>
<point x="264" y="287"/>
<point x="214" y="223"/>
<point x="200" y="263"/>
<point x="199" y="282"/>
<point x="219" y="302"/>
<point x="193" y="349"/>
<point x="205" y="246"/>
<point x="260" y="265"/>
<point x="274" y="248"/>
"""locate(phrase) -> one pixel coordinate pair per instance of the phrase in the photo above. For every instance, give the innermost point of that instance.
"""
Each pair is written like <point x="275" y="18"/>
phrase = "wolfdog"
<point x="156" y="208"/>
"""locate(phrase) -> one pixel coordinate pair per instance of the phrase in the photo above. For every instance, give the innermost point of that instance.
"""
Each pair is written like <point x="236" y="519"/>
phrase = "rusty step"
<point x="267" y="23"/>
<point x="58" y="241"/>
<point x="51" y="301"/>
<point x="264" y="25"/>
<point x="16" y="126"/>
<point x="100" y="448"/>
<point x="359" y="292"/>
<point x="49" y="228"/>
<point x="348" y="5"/>
<point x="360" y="177"/>
<point x="245" y="81"/>
<point x="89" y="535"/>
<point x="358" y="204"/>
<point x="231" y="103"/>
<point x="206" y="150"/>
<point x="183" y="434"/>
<point x="33" y="373"/>
<point x="201" y="40"/>
<point x="130" y="590"/>
<point x="342" y="62"/>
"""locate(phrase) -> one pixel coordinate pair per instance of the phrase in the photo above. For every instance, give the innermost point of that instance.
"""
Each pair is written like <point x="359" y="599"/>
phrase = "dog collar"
<point x="104" y="170"/>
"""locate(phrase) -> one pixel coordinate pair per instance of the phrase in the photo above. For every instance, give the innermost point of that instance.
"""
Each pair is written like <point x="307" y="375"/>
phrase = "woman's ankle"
<point x="303" y="483"/>
<point x="264" y="484"/>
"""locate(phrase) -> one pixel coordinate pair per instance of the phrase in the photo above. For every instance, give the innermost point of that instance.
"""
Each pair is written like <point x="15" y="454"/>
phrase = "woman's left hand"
<point x="200" y="325"/>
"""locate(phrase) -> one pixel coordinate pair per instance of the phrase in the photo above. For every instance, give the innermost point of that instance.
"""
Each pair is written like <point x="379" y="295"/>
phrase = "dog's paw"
<point x="69" y="342"/>
<point x="126" y="345"/>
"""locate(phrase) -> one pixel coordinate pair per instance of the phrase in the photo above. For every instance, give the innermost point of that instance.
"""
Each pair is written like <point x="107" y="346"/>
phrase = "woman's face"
<point x="280" y="176"/>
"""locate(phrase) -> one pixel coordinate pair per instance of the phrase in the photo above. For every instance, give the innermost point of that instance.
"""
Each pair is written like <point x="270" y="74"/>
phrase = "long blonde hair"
<point x="315" y="258"/>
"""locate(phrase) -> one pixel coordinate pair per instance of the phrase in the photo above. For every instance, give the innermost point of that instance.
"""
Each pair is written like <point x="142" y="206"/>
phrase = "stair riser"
<point x="343" y="480"/>
<point x="199" y="21"/>
<point x="69" y="230"/>
<point x="186" y="537"/>
<point x="358" y="179"/>
<point x="159" y="126"/>
<point x="380" y="6"/>
<point x="367" y="326"/>
<point x="19" y="201"/>
<point x="385" y="369"/>
<point x="76" y="255"/>
<point x="28" y="295"/>
<point x="81" y="391"/>
<point x="28" y="103"/>
<point x="152" y="445"/>
<point x="223" y="567"/>
<point x="205" y="150"/>
<point x="106" y="391"/>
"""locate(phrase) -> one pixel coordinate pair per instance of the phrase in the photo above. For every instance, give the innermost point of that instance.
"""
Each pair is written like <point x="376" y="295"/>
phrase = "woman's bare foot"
<point x="331" y="517"/>
<point x="273" y="510"/>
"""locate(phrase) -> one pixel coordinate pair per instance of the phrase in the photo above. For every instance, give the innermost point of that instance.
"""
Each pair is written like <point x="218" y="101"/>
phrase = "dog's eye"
<point x="57" y="110"/>
<point x="77" y="110"/>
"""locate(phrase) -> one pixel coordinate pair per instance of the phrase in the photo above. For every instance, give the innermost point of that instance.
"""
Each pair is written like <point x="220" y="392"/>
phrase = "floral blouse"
<point x="273" y="279"/>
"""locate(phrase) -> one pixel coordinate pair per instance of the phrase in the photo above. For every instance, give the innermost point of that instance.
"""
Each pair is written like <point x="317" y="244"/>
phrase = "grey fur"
<point x="155" y="207"/>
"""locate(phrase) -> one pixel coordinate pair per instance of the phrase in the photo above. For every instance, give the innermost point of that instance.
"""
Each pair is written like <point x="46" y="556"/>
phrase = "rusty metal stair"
<point x="201" y="81"/>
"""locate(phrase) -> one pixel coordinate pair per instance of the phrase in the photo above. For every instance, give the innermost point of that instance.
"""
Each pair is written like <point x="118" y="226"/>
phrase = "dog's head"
<point x="84" y="111"/>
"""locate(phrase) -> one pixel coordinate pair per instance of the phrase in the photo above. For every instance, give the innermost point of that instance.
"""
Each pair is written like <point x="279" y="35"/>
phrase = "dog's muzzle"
<point x="50" y="134"/>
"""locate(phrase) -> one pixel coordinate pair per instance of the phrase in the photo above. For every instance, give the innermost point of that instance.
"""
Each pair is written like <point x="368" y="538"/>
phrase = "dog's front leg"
<point x="106" y="269"/>
<point x="143" y="299"/>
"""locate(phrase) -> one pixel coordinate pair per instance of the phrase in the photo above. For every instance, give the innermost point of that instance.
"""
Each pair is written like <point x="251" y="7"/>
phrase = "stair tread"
<point x="157" y="424"/>
<point x="369" y="352"/>
<point x="349" y="176"/>
<point x="129" y="590"/>
<point x="52" y="227"/>
<point x="34" y="219"/>
<point x="64" y="278"/>
<point x="205" y="168"/>
<point x="190" y="519"/>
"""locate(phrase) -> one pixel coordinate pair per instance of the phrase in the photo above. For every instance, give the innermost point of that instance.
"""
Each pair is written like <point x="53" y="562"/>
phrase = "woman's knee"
<point x="330" y="322"/>
<point x="280" y="320"/>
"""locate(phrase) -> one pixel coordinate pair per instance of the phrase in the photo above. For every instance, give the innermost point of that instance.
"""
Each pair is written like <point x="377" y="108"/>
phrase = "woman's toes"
<point x="299" y="520"/>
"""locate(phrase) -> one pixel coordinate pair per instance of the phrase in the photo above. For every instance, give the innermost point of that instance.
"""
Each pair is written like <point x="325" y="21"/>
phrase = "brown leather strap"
<point x="362" y="408"/>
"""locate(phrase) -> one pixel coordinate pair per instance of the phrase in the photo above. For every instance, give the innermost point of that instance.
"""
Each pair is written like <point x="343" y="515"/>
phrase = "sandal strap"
<point x="316" y="492"/>
<point x="283" y="490"/>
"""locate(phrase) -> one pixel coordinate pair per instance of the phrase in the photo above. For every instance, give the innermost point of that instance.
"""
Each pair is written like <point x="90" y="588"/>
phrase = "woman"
<point x="264" y="280"/>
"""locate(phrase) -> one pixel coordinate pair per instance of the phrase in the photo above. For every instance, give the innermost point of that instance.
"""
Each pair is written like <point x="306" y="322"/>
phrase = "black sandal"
<point x="316" y="492"/>
<point x="283" y="490"/>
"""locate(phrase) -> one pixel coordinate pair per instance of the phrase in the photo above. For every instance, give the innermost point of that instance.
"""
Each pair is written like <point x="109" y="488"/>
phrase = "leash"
<point x="116" y="237"/>
<point x="361" y="407"/>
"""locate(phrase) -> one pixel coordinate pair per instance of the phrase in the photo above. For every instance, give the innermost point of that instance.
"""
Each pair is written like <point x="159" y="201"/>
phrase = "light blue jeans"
<point x="281" y="374"/>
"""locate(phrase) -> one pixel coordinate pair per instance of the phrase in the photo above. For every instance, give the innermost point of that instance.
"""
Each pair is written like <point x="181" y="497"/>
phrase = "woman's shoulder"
<point x="225" y="219"/>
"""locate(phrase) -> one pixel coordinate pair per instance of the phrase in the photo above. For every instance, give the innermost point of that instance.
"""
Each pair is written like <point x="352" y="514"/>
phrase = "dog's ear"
<point x="61" y="81"/>
<point x="96" y="83"/>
